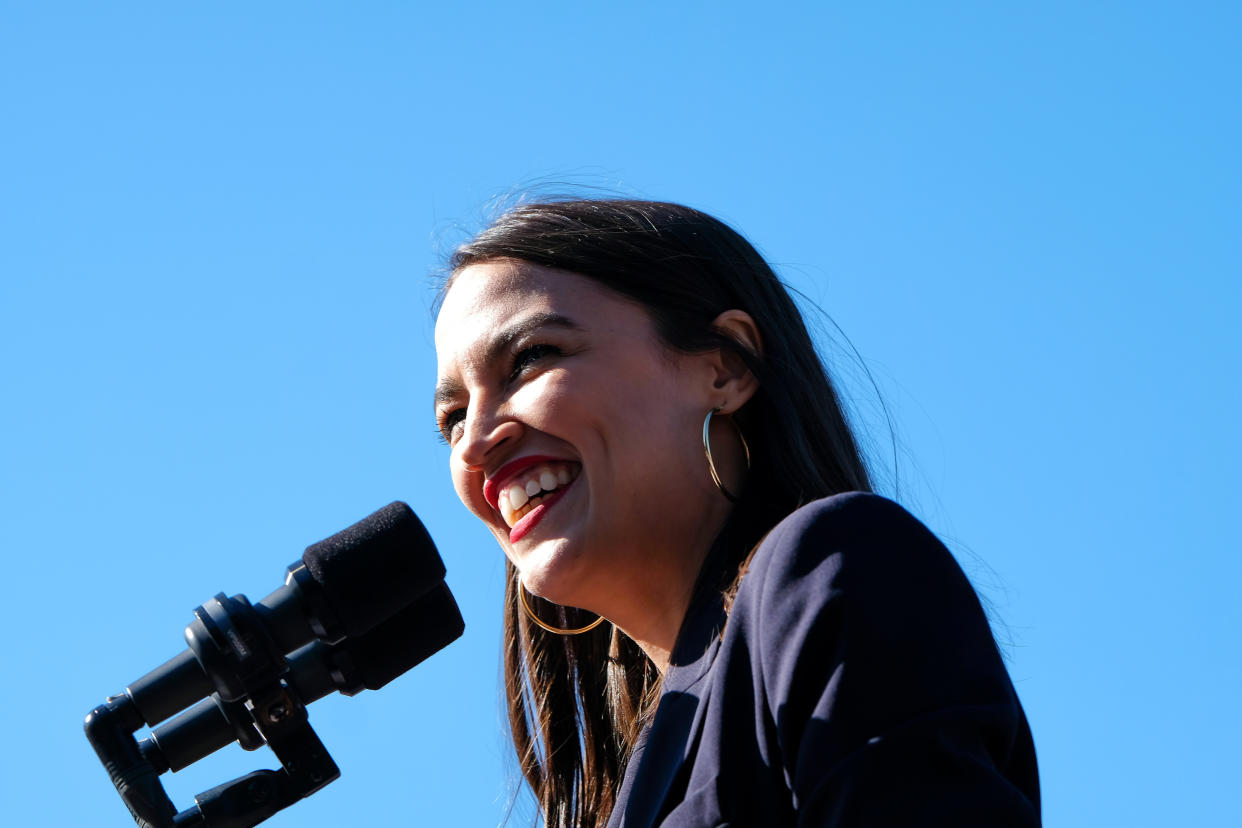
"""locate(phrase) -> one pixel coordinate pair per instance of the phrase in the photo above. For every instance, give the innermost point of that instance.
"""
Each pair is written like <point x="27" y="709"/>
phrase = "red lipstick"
<point x="531" y="518"/>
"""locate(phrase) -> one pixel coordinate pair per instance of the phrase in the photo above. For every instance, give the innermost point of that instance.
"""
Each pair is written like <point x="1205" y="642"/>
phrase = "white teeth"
<point x="518" y="497"/>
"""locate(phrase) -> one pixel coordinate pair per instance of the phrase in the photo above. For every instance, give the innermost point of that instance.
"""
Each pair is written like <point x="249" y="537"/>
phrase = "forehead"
<point x="489" y="293"/>
<point x="484" y="299"/>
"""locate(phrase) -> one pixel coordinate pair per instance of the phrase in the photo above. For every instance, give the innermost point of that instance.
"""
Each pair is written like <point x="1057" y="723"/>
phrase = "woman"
<point x="701" y="627"/>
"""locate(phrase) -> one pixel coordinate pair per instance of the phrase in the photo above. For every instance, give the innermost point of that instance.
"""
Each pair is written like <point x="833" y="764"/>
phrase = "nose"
<point x="486" y="438"/>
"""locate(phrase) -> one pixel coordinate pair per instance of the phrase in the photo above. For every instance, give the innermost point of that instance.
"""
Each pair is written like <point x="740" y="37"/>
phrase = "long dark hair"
<point x="577" y="702"/>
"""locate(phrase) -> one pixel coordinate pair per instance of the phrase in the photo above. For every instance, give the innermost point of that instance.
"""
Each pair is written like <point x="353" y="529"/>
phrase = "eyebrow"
<point x="449" y="390"/>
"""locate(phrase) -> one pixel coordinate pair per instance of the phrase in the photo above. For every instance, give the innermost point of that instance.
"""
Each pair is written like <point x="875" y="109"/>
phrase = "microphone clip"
<point x="248" y="672"/>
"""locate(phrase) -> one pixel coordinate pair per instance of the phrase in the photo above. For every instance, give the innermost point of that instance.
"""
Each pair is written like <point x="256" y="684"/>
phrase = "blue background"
<point x="217" y="225"/>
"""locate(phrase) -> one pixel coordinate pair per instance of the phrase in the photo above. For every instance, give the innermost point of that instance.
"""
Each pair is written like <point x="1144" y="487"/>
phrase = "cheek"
<point x="470" y="490"/>
<point x="547" y="398"/>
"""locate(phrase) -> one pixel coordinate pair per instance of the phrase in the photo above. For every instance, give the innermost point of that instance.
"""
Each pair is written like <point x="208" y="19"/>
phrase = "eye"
<point x="449" y="423"/>
<point x="528" y="356"/>
<point x="446" y="428"/>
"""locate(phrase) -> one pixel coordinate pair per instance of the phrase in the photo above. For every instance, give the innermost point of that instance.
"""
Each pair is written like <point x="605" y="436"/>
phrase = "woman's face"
<point x="575" y="434"/>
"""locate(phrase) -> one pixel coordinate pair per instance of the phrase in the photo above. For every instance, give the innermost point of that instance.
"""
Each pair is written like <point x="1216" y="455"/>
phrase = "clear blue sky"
<point x="217" y="222"/>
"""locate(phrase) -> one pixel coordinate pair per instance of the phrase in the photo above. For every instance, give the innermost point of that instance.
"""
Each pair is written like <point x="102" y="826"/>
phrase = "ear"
<point x="734" y="383"/>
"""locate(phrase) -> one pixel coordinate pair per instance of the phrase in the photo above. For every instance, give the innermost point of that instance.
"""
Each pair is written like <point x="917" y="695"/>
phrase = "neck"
<point x="654" y="623"/>
<point x="658" y="649"/>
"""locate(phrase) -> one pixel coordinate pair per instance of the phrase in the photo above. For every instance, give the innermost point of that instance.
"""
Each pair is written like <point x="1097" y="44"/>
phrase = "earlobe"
<point x="734" y="381"/>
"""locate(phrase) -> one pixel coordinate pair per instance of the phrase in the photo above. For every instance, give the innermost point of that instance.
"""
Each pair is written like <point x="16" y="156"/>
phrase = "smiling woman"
<point x="572" y="428"/>
<point x="638" y="414"/>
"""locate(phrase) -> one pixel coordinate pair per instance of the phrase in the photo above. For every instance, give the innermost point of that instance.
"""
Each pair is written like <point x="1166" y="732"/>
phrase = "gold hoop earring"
<point x="707" y="450"/>
<point x="558" y="630"/>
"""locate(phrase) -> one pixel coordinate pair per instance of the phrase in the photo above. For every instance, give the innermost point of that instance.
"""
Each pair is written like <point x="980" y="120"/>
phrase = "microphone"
<point x="343" y="586"/>
<point x="359" y="609"/>
<point x="316" y="670"/>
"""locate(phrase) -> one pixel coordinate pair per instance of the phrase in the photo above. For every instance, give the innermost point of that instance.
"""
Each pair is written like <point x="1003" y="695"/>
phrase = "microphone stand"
<point x="249" y="673"/>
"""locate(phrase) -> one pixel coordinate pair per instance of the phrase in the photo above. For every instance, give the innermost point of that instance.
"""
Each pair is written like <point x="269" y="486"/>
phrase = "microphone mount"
<point x="359" y="609"/>
<point x="248" y="672"/>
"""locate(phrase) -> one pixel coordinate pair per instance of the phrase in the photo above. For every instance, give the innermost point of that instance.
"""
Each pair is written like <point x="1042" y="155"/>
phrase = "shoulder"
<point x="856" y="578"/>
<point x="857" y="540"/>
<point x="870" y="668"/>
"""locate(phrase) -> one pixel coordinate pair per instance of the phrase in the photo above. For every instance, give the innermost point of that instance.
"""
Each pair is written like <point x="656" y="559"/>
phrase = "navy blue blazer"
<point x="855" y="683"/>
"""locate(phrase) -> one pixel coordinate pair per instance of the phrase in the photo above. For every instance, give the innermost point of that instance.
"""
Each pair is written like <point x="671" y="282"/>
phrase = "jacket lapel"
<point x="673" y="735"/>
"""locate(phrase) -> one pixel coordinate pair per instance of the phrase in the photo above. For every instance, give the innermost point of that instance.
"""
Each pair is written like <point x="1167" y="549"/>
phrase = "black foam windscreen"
<point x="403" y="641"/>
<point x="374" y="569"/>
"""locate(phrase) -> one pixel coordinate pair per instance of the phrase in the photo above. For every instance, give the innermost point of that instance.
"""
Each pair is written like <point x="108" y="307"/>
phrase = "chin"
<point x="552" y="573"/>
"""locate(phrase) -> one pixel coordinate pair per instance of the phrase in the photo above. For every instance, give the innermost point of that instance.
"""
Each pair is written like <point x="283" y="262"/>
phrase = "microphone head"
<point x="374" y="569"/>
<point x="402" y="642"/>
